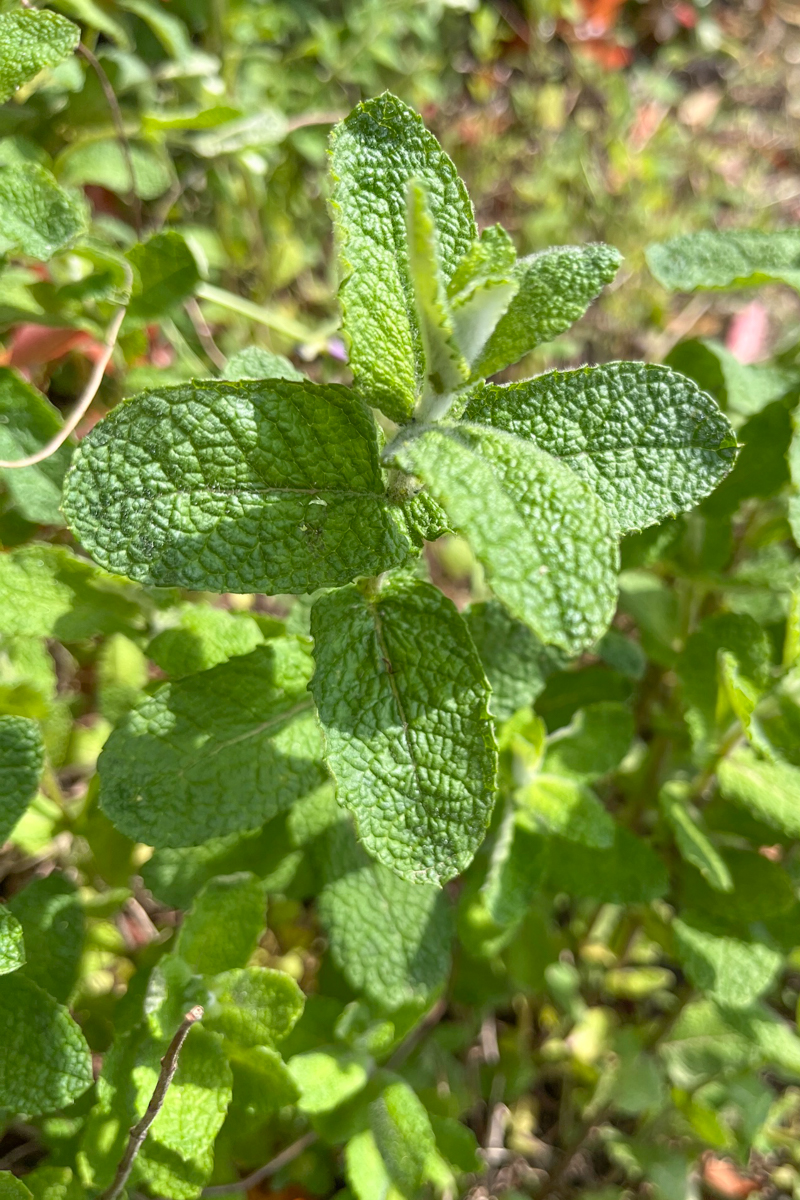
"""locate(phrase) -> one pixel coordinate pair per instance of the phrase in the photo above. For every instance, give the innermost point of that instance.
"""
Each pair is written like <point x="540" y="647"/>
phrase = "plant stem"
<point x="124" y="145"/>
<point x="271" y="1168"/>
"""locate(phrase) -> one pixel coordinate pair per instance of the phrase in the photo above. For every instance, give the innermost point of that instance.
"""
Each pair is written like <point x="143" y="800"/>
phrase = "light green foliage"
<point x="254" y="362"/>
<point x="244" y="729"/>
<point x="30" y="41"/>
<point x="557" y="573"/>
<point x="27" y="422"/>
<point x="21" y="762"/>
<point x="516" y="870"/>
<point x="649" y="442"/>
<point x="375" y="152"/>
<point x="627" y="872"/>
<point x="101" y="162"/>
<point x="12" y="1188"/>
<point x="692" y="840"/>
<point x="254" y="1006"/>
<point x="732" y="971"/>
<point x="12" y="946"/>
<point x="554" y="289"/>
<point x="593" y="744"/>
<point x="121" y="674"/>
<point x="735" y="634"/>
<point x="295" y="502"/>
<point x="221" y="928"/>
<point x="326" y="1078"/>
<point x="515" y="661"/>
<point x="262" y="1083"/>
<point x="53" y="925"/>
<point x="730" y="258"/>
<point x="37" y="216"/>
<point x="45" y="1063"/>
<point x="53" y="1183"/>
<point x="741" y="388"/>
<point x="402" y="699"/>
<point x="403" y="1135"/>
<point x="565" y="806"/>
<point x="769" y="790"/>
<point x="389" y="937"/>
<point x="202" y="637"/>
<point x="365" y="1169"/>
<point x="165" y="274"/>
<point x="482" y="288"/>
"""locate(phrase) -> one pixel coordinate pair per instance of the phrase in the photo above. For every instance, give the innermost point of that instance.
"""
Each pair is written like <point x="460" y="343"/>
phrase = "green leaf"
<point x="390" y="938"/>
<point x="254" y="1006"/>
<point x="165" y="273"/>
<point x="516" y="870"/>
<point x="12" y="1188"/>
<point x="244" y="729"/>
<point x="254" y="362"/>
<point x="222" y="927"/>
<point x="555" y="287"/>
<point x="53" y="1183"/>
<point x="27" y="421"/>
<point x="37" y="216"/>
<point x="649" y="442"/>
<point x="741" y="387"/>
<point x="122" y="672"/>
<point x="54" y="927"/>
<point x="693" y="842"/>
<point x="102" y="163"/>
<point x="12" y="946"/>
<point x="761" y="468"/>
<point x="628" y="872"/>
<point x="21" y="763"/>
<point x="45" y="1063"/>
<point x="403" y="1134"/>
<point x="327" y="1078"/>
<point x="45" y="591"/>
<point x="734" y="633"/>
<point x="365" y="1169"/>
<point x="402" y="699"/>
<point x="560" y="805"/>
<point x="593" y="744"/>
<point x="515" y="661"/>
<point x="296" y="501"/>
<point x="723" y="259"/>
<point x="376" y="150"/>
<point x="202" y="637"/>
<point x="544" y="537"/>
<point x="446" y="369"/>
<point x="261" y="1081"/>
<point x="483" y="287"/>
<point x="30" y="41"/>
<point x="769" y="790"/>
<point x="729" y="970"/>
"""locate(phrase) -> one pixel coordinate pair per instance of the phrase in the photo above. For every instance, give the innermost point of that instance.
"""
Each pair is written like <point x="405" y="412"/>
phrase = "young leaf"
<point x="268" y="486"/>
<point x="326" y="1078"/>
<point x="516" y="870"/>
<point x="54" y="927"/>
<point x="403" y="700"/>
<point x="202" y="637"/>
<point x="21" y="762"/>
<point x="374" y="153"/>
<point x="254" y="362"/>
<point x="737" y="634"/>
<point x="37" y="216"/>
<point x="554" y="289"/>
<point x="729" y="258"/>
<point x="254" y="1006"/>
<point x="165" y="273"/>
<point x="692" y="841"/>
<point x="390" y="938"/>
<point x="12" y="945"/>
<point x="544" y="537"/>
<point x="769" y="790"/>
<point x="261" y="1081"/>
<point x="27" y="422"/>
<point x="365" y="1169"/>
<point x="515" y="661"/>
<point x="403" y="1134"/>
<point x="483" y="286"/>
<point x="593" y="744"/>
<point x="649" y="442"/>
<point x="31" y="40"/>
<point x="245" y="728"/>
<point x="559" y="805"/>
<point x="733" y="972"/>
<point x="222" y="927"/>
<point x="45" y="1063"/>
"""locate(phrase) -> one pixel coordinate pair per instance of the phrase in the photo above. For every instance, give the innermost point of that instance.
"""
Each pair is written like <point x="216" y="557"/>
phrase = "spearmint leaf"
<point x="12" y="946"/>
<point x="254" y="1006"/>
<point x="723" y="259"/>
<point x="483" y="286"/>
<point x="365" y="1169"/>
<point x="649" y="442"/>
<point x="735" y="633"/>
<point x="267" y="486"/>
<point x="54" y="927"/>
<point x="741" y="387"/>
<point x="516" y="870"/>
<point x="254" y="362"/>
<point x="21" y="763"/>
<point x="165" y="273"/>
<point x="261" y="1081"/>
<point x="691" y="839"/>
<point x="37" y="216"/>
<point x="390" y="938"/>
<point x="202" y="637"/>
<point x="446" y="369"/>
<point x="559" y="805"/>
<point x="122" y="672"/>
<point x="45" y="591"/>
<point x="30" y="41"/>
<point x="102" y="163"/>
<point x="244" y="729"/>
<point x="45" y="1063"/>
<point x="327" y="1078"/>
<point x="403" y="1134"/>
<point x="544" y="537"/>
<point x="12" y="1188"/>
<point x="27" y="421"/>
<point x="222" y="927"/>
<point x="402" y="699"/>
<point x="628" y="872"/>
<point x="515" y="661"/>
<point x="53" y="1183"/>
<point x="769" y="790"/>
<point x="554" y="289"/>
<point x="593" y="744"/>
<point x="374" y="153"/>
<point x="729" y="970"/>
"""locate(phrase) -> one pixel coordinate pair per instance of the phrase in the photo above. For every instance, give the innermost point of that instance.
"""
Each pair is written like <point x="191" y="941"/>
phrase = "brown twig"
<point x="122" y="137"/>
<point x="271" y="1168"/>
<point x="169" y="1065"/>
<point x="204" y="335"/>
<point x="418" y="1034"/>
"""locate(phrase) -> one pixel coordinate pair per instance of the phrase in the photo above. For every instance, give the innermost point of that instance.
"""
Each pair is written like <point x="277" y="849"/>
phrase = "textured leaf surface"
<point x="45" y="1063"/>
<point x="214" y="753"/>
<point x="221" y="929"/>
<point x="21" y="762"/>
<point x="730" y="258"/>
<point x="403" y="699"/>
<point x="261" y="1081"/>
<point x="648" y="440"/>
<point x="254" y="362"/>
<point x="733" y="972"/>
<point x="53" y="924"/>
<point x="254" y="1006"/>
<point x="544" y="537"/>
<point x="555" y="288"/>
<point x="165" y="273"/>
<point x="12" y="946"/>
<point x="268" y="486"/>
<point x="484" y="284"/>
<point x="390" y="938"/>
<point x="403" y="1134"/>
<point x="375" y="152"/>
<point x="27" y="421"/>
<point x="37" y="216"/>
<point x="54" y="1183"/>
<point x="770" y="790"/>
<point x="29" y="42"/>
